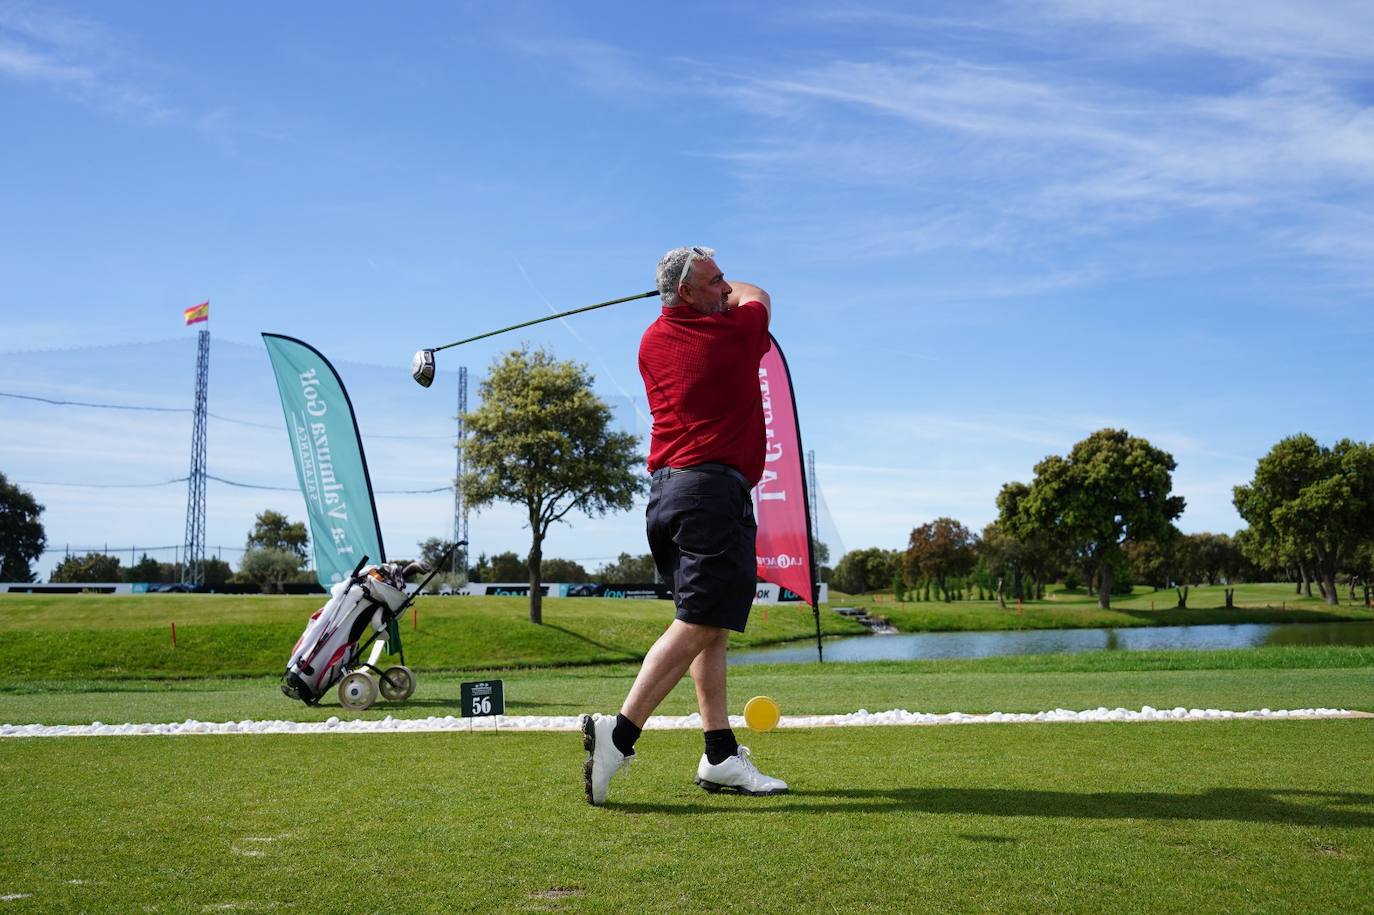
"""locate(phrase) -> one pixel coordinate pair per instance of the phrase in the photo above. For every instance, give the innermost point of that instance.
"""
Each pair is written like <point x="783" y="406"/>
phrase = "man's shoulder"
<point x="753" y="309"/>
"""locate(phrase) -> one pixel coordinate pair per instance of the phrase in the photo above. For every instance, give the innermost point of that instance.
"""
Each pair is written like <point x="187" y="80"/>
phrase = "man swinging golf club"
<point x="700" y="362"/>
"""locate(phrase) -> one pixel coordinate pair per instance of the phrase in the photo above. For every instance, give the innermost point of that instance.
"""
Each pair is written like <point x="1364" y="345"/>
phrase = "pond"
<point x="929" y="645"/>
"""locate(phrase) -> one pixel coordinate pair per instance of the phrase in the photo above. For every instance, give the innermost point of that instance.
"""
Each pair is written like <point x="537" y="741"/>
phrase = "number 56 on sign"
<point x="482" y="698"/>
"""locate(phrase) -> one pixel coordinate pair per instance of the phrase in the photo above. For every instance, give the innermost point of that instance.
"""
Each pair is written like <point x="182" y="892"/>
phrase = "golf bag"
<point x="368" y="604"/>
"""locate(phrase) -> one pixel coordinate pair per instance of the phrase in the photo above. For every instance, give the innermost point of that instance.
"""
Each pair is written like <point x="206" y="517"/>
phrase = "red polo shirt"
<point x="701" y="374"/>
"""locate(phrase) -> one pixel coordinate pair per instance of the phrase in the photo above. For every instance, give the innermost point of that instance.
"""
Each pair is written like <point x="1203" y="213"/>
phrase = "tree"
<point x="1151" y="562"/>
<point x="1311" y="504"/>
<point x="21" y="533"/>
<point x="1038" y="556"/>
<point x="940" y="550"/>
<point x="217" y="572"/>
<point x="542" y="439"/>
<point x="272" y="531"/>
<point x="270" y="567"/>
<point x="1113" y="487"/>
<point x="507" y="566"/>
<point x="148" y="569"/>
<point x="865" y="570"/>
<point x="563" y="570"/>
<point x="822" y="554"/>
<point x="92" y="567"/>
<point x="1000" y="557"/>
<point x="628" y="570"/>
<point x="433" y="550"/>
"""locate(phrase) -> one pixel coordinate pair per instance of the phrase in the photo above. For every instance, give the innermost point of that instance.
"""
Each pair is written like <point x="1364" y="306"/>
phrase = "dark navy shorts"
<point x="701" y="532"/>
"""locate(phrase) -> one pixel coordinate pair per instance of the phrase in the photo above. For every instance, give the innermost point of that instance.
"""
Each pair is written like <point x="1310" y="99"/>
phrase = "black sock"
<point x="624" y="735"/>
<point x="720" y="746"/>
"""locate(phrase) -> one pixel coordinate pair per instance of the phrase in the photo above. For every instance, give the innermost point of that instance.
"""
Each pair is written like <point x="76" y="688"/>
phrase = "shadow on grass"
<point x="1245" y="805"/>
<point x="593" y="642"/>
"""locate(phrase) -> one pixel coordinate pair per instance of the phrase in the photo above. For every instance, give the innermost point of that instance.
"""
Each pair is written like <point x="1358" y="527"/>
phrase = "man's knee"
<point x="700" y="637"/>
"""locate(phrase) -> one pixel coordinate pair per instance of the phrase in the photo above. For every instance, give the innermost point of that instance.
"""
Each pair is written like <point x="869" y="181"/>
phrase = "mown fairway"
<point x="1206" y="816"/>
<point x="117" y="636"/>
<point x="1239" y="680"/>
<point x="129" y="636"/>
<point x="1236" y="816"/>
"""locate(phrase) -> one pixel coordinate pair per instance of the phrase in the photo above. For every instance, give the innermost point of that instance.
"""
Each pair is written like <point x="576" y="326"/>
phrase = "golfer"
<point x="700" y="362"/>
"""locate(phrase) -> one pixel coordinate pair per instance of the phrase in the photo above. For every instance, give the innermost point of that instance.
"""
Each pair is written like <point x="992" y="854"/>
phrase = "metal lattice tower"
<point x="193" y="556"/>
<point x="460" y="508"/>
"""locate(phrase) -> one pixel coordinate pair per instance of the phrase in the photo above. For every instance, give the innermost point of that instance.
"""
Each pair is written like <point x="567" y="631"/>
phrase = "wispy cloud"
<point x="1332" y="30"/>
<point x="77" y="56"/>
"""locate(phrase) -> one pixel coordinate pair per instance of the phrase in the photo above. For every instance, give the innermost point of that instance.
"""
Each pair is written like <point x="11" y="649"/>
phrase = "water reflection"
<point x="931" y="645"/>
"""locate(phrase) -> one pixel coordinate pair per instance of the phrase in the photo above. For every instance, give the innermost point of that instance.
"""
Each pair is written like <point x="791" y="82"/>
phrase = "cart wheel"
<point x="397" y="684"/>
<point x="357" y="691"/>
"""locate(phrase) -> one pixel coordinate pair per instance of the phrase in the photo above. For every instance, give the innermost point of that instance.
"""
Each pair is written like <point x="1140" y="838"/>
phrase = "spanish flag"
<point x="197" y="313"/>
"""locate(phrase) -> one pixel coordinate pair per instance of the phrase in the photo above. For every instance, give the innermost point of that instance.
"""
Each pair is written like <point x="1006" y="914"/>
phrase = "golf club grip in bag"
<point x="328" y="648"/>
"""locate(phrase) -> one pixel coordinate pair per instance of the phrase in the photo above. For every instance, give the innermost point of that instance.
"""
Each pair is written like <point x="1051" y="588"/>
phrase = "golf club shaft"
<point x="564" y="314"/>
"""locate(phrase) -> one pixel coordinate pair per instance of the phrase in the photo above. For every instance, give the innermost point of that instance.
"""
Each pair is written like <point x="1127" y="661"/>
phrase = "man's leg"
<point x="708" y="673"/>
<point x="671" y="656"/>
<point x="609" y="742"/>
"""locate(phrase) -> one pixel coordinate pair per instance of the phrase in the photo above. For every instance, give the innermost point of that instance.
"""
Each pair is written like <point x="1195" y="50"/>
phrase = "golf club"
<point x="422" y="365"/>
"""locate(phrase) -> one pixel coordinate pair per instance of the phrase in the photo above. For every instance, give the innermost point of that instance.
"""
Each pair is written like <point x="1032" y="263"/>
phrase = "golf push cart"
<point x="330" y="651"/>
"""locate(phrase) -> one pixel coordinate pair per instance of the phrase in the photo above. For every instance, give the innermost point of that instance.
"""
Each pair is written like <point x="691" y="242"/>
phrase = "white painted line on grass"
<point x="861" y="718"/>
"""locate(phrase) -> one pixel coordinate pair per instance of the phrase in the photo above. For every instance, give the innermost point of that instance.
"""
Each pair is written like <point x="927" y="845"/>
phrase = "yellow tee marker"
<point x="761" y="714"/>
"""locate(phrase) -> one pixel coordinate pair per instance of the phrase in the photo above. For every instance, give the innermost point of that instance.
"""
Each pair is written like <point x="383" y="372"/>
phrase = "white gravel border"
<point x="861" y="718"/>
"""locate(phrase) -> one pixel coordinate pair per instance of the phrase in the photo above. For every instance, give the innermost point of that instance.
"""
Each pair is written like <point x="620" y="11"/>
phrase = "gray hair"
<point x="671" y="267"/>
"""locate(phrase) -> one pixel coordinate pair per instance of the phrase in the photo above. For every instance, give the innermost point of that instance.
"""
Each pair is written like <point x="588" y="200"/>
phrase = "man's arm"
<point x="748" y="292"/>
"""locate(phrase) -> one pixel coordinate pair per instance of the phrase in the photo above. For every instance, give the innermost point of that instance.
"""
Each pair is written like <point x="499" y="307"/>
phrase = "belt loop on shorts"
<point x="664" y="473"/>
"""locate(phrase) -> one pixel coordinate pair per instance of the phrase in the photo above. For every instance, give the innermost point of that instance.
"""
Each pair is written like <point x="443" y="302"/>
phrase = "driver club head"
<point x="422" y="367"/>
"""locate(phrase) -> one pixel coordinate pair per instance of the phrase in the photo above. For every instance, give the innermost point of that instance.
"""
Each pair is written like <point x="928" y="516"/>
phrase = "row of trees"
<point x="1311" y="512"/>
<point x="509" y="566"/>
<point x="275" y="554"/>
<point x="1104" y="513"/>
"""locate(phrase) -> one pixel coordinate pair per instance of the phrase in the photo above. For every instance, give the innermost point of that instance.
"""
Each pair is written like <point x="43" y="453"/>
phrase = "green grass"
<point x="123" y="636"/>
<point x="1076" y="609"/>
<point x="1238" y="680"/>
<point x="129" y="636"/>
<point x="1234" y="816"/>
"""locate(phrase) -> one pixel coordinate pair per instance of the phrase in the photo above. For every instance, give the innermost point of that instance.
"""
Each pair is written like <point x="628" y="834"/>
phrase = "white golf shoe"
<point x="603" y="759"/>
<point x="738" y="773"/>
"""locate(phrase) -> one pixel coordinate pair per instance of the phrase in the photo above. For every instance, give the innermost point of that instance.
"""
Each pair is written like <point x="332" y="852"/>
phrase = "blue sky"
<point x="987" y="233"/>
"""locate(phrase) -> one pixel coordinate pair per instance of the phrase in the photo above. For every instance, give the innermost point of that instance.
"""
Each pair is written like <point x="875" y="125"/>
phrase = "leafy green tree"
<point x="563" y="570"/>
<point x="859" y="571"/>
<point x="147" y="569"/>
<point x="21" y="532"/>
<point x="1038" y="553"/>
<point x="270" y="567"/>
<point x="507" y="566"/>
<point x="941" y="550"/>
<point x="93" y="567"/>
<point x="849" y="574"/>
<point x="271" y="530"/>
<point x="822" y="554"/>
<point x="1259" y="562"/>
<point x="433" y="550"/>
<point x="1112" y="487"/>
<point x="1151" y="562"/>
<point x="217" y="572"/>
<point x="1001" y="561"/>
<point x="1312" y="502"/>
<point x="628" y="570"/>
<point x="542" y="440"/>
